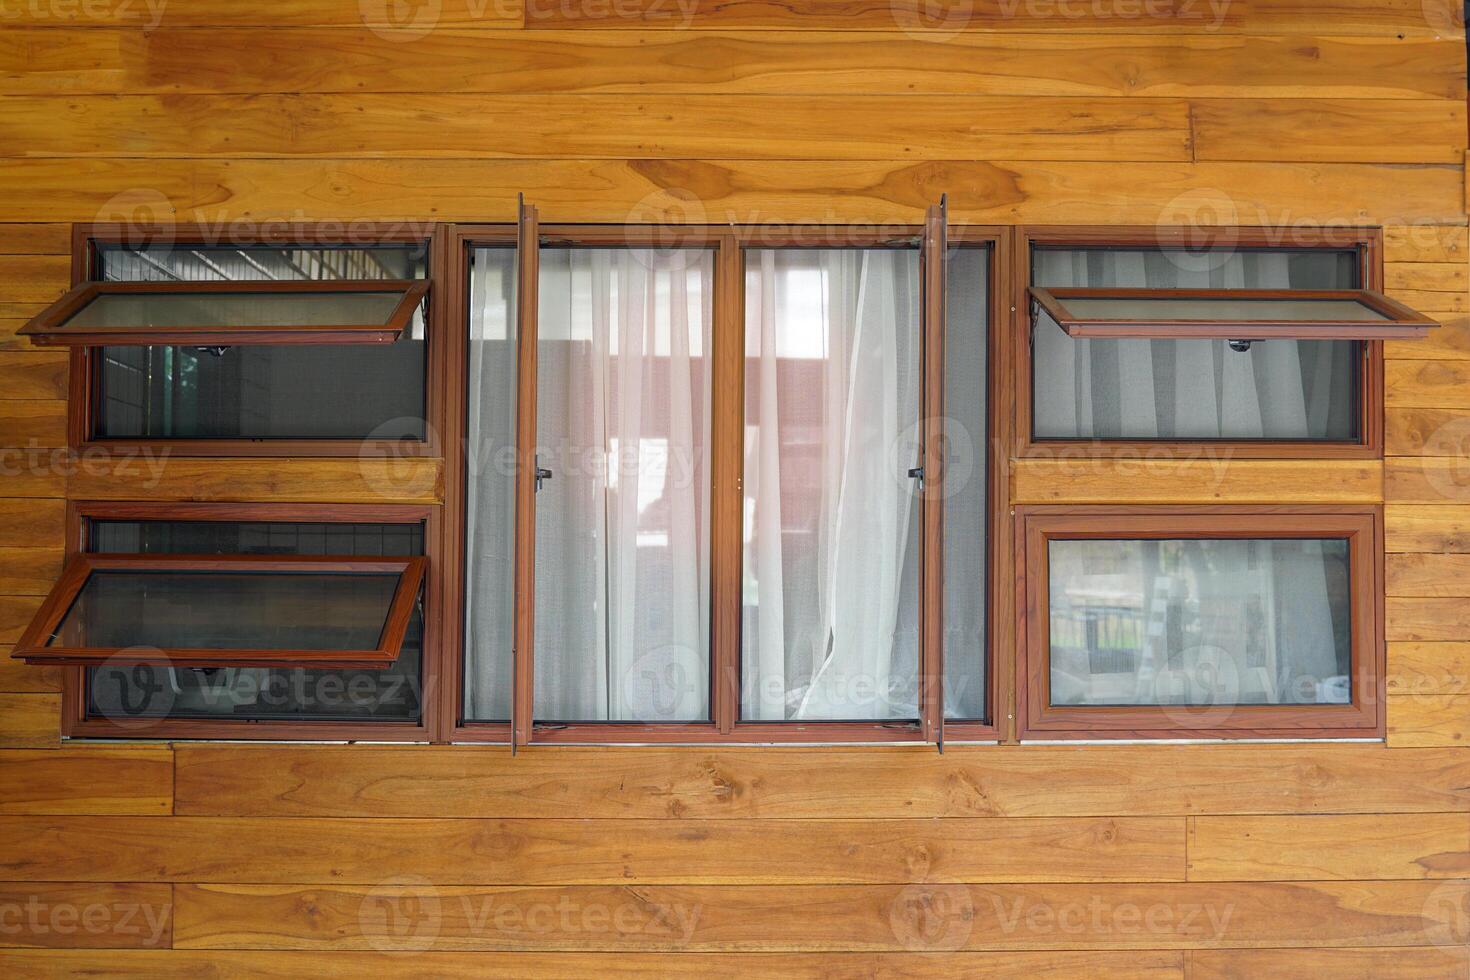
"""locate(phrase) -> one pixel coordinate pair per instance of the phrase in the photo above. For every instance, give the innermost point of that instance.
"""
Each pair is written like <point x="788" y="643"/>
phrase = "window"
<point x="297" y="346"/>
<point x="1231" y="621"/>
<point x="134" y="695"/>
<point x="717" y="525"/>
<point x="1280" y="356"/>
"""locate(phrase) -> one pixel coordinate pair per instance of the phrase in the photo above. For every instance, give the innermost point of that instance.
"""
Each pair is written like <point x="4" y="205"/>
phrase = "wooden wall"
<point x="1086" y="861"/>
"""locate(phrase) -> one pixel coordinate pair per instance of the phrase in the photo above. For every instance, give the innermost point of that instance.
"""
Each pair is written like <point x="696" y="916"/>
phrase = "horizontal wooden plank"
<point x="1450" y="340"/>
<point x="1431" y="529"/>
<point x="1426" y="431"/>
<point x="1428" y="668"/>
<point x="1427" y="480"/>
<point x="1449" y="277"/>
<point x="21" y="678"/>
<point x="68" y="915"/>
<point x="1428" y="575"/>
<point x="28" y="571"/>
<point x="34" y="374"/>
<point x="1385" y="18"/>
<point x="29" y="721"/>
<point x="151" y="14"/>
<point x="1427" y="619"/>
<point x="1327" y="848"/>
<point x="840" y="917"/>
<point x="276" y="60"/>
<point x="250" y="191"/>
<point x="32" y="423"/>
<point x="594" y="126"/>
<point x="15" y="614"/>
<point x="1348" y="130"/>
<point x="28" y="239"/>
<point x="29" y="523"/>
<point x="1426" y="243"/>
<point x="152" y="475"/>
<point x="1399" y="963"/>
<point x="1427" y="384"/>
<point x="691" y="783"/>
<point x="90" y="779"/>
<point x="1200" y="479"/>
<point x="1457" y="303"/>
<point x="180" y="964"/>
<point x="1426" y="721"/>
<point x="571" y="851"/>
<point x="33" y="278"/>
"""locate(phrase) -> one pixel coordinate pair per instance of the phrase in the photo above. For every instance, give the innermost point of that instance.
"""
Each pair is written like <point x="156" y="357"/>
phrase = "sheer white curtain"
<point x="831" y="547"/>
<point x="622" y="539"/>
<point x="1191" y="389"/>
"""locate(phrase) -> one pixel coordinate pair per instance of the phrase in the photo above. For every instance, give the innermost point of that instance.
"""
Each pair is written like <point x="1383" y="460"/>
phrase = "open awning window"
<point x="226" y="611"/>
<point x="1237" y="315"/>
<point x="219" y="313"/>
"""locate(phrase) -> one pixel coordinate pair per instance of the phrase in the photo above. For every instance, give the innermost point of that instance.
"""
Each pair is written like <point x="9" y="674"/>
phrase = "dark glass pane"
<point x="129" y="311"/>
<point x="963" y="459"/>
<point x="228" y="610"/>
<point x="1200" y="622"/>
<point x="1088" y="388"/>
<point x="124" y="694"/>
<point x="1222" y="310"/>
<point x="253" y="391"/>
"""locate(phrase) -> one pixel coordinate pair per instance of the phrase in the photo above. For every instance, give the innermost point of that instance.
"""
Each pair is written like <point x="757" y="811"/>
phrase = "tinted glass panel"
<point x="305" y="391"/>
<point x="132" y="694"/>
<point x="228" y="610"/>
<point x="1194" y="389"/>
<point x="831" y="520"/>
<point x="1199" y="622"/>
<point x="128" y="311"/>
<point x="1225" y="310"/>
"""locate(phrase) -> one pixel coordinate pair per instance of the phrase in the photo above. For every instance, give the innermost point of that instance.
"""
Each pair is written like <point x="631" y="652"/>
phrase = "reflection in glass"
<point x="1195" y="621"/>
<point x="831" y="518"/>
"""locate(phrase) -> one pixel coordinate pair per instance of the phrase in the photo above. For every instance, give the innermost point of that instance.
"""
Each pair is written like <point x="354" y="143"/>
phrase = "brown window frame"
<point x="77" y="722"/>
<point x="1399" y="323"/>
<point x="84" y="374"/>
<point x="729" y="243"/>
<point x="33" y="645"/>
<point x="1362" y="526"/>
<point x="1367" y="242"/>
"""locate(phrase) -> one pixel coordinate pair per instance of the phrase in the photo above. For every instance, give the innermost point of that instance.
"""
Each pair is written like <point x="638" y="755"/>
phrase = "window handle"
<point x="917" y="473"/>
<point x="542" y="474"/>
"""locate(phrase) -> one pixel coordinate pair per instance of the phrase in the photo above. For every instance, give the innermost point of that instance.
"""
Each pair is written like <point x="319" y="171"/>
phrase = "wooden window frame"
<point x="76" y="722"/>
<point x="33" y="645"/>
<point x="729" y="244"/>
<point x="1367" y="242"/>
<point x="1399" y="323"/>
<point x="1361" y="526"/>
<point x="84" y="376"/>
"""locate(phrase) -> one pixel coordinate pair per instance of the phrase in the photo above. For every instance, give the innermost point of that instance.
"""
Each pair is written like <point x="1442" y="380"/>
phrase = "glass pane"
<point x="259" y="391"/>
<point x="1194" y="389"/>
<point x="129" y="311"/>
<point x="831" y="542"/>
<point x="1200" y="622"/>
<point x="228" y="610"/>
<point x="622" y="527"/>
<point x="490" y="486"/>
<point x="964" y="462"/>
<point x="135" y="693"/>
<point x="1221" y="310"/>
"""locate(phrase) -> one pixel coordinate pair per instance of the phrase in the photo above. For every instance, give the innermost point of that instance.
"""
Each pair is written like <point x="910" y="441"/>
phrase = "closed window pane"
<point x="1199" y="621"/>
<point x="263" y="391"/>
<point x="963" y="459"/>
<point x="490" y="486"/>
<point x="137" y="692"/>
<point x="831" y="545"/>
<point x="622" y="525"/>
<point x="1194" y="389"/>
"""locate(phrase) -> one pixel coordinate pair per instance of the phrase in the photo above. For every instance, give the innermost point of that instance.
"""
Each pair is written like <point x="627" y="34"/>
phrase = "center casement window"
<point x="704" y="484"/>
